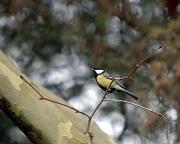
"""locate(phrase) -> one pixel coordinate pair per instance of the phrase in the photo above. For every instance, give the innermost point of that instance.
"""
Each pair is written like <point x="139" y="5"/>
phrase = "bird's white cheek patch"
<point x="15" y="80"/>
<point x="99" y="71"/>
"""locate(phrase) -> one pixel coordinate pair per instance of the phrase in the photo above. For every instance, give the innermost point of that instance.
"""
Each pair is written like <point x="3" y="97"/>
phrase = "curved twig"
<point x="145" y="108"/>
<point x="44" y="98"/>
<point x="131" y="73"/>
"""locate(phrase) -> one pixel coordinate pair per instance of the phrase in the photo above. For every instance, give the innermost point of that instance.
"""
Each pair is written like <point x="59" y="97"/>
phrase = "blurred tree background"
<point x="56" y="42"/>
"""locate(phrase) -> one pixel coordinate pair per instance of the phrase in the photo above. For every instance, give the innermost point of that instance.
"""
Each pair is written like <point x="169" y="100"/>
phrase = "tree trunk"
<point x="43" y="122"/>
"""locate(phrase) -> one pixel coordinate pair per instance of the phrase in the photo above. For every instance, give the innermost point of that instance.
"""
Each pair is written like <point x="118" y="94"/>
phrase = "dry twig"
<point x="131" y="73"/>
<point x="96" y="108"/>
<point x="44" y="98"/>
<point x="145" y="108"/>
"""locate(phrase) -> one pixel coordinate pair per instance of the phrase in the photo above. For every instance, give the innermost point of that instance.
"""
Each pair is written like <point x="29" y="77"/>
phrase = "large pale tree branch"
<point x="42" y="121"/>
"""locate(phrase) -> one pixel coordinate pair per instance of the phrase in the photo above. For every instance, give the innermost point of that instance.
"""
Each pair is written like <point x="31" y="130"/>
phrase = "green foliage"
<point x="100" y="20"/>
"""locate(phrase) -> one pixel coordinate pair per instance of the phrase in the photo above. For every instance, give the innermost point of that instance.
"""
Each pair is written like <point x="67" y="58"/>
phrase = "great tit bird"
<point x="103" y="80"/>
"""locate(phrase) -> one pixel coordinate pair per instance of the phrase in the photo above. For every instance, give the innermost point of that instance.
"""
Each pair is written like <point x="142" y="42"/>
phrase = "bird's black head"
<point x="98" y="71"/>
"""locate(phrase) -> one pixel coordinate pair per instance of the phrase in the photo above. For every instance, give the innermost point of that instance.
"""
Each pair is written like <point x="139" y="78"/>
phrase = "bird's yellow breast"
<point x="104" y="82"/>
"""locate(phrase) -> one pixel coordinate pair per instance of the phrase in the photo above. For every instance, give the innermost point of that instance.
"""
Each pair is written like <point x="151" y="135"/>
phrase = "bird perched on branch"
<point x="103" y="80"/>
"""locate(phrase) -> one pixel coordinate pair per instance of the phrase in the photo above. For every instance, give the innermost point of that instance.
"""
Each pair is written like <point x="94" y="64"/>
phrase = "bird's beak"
<point x="92" y="73"/>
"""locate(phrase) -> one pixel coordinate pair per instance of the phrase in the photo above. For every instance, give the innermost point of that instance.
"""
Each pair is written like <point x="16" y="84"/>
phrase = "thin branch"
<point x="77" y="111"/>
<point x="131" y="73"/>
<point x="145" y="108"/>
<point x="96" y="108"/>
<point x="44" y="98"/>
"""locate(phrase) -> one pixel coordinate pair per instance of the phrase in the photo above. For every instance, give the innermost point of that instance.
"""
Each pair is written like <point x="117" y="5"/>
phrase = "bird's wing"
<point x="107" y="75"/>
<point x="120" y="89"/>
<point x="117" y="81"/>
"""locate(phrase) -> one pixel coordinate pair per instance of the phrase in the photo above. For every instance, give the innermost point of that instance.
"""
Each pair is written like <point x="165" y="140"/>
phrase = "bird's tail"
<point x="120" y="89"/>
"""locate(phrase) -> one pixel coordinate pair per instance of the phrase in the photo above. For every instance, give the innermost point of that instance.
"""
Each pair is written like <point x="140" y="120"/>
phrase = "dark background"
<point x="57" y="42"/>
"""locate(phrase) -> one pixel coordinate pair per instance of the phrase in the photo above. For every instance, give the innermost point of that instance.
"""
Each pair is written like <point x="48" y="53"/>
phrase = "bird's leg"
<point x="108" y="90"/>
